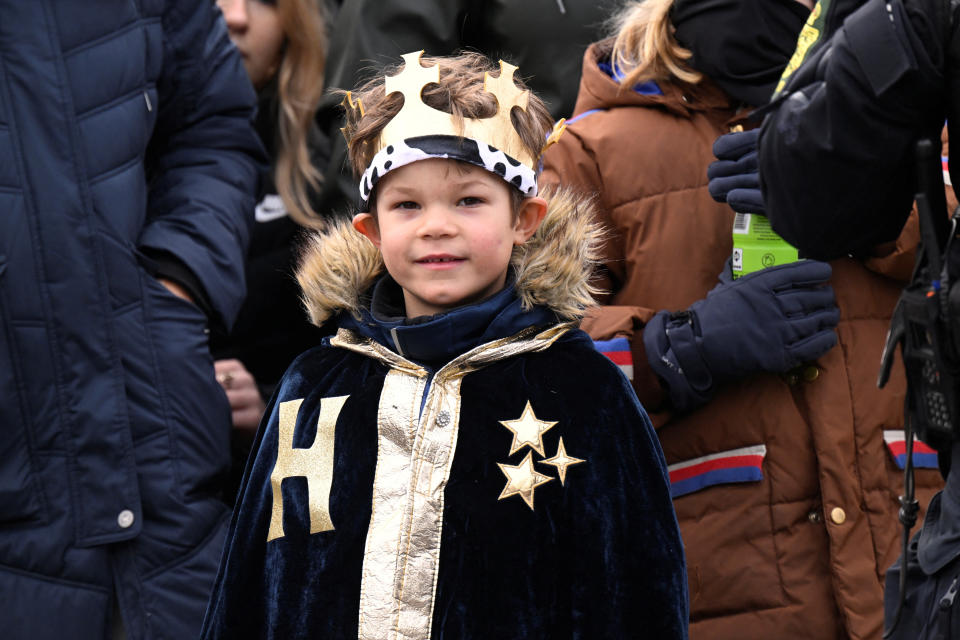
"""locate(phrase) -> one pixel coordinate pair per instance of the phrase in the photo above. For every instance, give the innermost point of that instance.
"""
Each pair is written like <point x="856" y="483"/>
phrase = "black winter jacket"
<point x="837" y="151"/>
<point x="124" y="131"/>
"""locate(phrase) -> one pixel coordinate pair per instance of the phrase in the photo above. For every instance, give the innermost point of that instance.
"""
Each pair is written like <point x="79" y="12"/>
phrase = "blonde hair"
<point x="299" y="88"/>
<point x="459" y="92"/>
<point x="645" y="47"/>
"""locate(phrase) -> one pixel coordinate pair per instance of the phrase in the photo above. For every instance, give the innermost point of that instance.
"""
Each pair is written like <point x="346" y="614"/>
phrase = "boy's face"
<point x="446" y="231"/>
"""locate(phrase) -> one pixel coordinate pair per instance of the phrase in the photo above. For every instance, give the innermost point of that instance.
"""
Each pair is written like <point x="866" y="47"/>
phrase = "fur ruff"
<point x="553" y="268"/>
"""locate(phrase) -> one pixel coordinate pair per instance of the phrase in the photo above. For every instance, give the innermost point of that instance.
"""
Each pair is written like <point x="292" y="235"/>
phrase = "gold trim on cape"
<point x="414" y="460"/>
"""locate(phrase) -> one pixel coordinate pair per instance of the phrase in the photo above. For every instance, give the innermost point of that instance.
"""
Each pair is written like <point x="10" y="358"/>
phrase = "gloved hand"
<point x="733" y="176"/>
<point x="768" y="320"/>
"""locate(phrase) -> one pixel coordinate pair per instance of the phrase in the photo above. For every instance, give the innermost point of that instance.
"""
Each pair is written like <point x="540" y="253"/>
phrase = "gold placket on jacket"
<point x="414" y="459"/>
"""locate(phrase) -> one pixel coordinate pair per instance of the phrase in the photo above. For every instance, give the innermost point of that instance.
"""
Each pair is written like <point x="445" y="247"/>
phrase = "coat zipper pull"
<point x="146" y="98"/>
<point x="563" y="9"/>
<point x="947" y="600"/>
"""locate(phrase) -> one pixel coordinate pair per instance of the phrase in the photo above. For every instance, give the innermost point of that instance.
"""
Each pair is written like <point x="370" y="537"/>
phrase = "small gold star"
<point x="561" y="461"/>
<point x="527" y="430"/>
<point x="522" y="479"/>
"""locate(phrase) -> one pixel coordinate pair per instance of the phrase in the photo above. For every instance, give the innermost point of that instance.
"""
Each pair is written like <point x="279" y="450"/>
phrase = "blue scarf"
<point x="432" y="341"/>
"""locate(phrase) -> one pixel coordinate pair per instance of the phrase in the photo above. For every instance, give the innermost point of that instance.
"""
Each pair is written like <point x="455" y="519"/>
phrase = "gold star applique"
<point x="527" y="430"/>
<point x="522" y="479"/>
<point x="561" y="461"/>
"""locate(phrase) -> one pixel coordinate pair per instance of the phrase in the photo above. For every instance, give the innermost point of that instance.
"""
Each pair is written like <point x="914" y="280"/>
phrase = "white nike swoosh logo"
<point x="270" y="208"/>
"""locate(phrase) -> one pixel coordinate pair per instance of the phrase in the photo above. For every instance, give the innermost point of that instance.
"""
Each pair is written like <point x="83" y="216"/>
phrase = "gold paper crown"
<point x="418" y="119"/>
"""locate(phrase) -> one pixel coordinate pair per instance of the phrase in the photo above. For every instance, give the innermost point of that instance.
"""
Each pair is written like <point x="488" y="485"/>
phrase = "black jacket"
<point x="930" y="608"/>
<point x="124" y="130"/>
<point x="837" y="151"/>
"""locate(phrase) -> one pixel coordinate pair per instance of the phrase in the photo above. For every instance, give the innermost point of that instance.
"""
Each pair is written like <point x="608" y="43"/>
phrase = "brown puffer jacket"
<point x="797" y="546"/>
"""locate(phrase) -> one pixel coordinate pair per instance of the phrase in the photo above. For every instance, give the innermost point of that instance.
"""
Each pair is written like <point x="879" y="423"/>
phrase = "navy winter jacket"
<point x="124" y="133"/>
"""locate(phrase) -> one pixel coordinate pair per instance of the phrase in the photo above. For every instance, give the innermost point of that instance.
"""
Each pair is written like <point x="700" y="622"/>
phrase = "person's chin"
<point x="441" y="302"/>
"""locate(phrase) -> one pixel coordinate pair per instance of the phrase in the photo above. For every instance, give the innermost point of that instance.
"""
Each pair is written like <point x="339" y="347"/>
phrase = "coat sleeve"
<point x="625" y="321"/>
<point x="204" y="157"/>
<point x="836" y="156"/>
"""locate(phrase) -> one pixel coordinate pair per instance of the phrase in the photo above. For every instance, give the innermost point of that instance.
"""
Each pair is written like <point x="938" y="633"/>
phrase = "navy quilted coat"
<point x="124" y="131"/>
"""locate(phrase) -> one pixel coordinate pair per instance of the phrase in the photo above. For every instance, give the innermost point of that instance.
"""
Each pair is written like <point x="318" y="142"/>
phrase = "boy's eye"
<point x="469" y="201"/>
<point x="406" y="204"/>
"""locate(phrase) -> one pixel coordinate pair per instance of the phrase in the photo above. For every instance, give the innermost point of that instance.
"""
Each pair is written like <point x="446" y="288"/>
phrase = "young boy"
<point x="458" y="461"/>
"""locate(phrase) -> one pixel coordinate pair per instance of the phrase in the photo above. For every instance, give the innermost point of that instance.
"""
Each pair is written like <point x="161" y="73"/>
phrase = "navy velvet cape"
<point x="599" y="556"/>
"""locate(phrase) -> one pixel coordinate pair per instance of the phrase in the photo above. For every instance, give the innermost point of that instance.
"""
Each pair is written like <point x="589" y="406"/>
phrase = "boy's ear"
<point x="529" y="217"/>
<point x="367" y="225"/>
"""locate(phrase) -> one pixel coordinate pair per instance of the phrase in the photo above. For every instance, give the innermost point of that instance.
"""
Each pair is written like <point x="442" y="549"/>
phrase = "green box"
<point x="756" y="246"/>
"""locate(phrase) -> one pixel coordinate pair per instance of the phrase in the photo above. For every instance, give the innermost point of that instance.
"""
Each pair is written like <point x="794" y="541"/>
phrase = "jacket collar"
<point x="598" y="90"/>
<point x="432" y="341"/>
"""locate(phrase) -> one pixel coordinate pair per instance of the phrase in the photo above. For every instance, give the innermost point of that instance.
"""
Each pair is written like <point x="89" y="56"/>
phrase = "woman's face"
<point x="255" y="29"/>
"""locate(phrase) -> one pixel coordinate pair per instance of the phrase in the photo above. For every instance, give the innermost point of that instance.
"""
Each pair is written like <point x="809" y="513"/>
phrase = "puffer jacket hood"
<point x="599" y="91"/>
<point x="553" y="269"/>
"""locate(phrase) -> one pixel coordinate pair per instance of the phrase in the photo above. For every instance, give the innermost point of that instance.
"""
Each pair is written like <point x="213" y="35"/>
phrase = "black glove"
<point x="733" y="176"/>
<point x="769" y="320"/>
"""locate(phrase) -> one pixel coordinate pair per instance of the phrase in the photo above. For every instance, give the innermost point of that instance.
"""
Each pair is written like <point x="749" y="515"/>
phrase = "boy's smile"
<point x="446" y="231"/>
<point x="443" y="261"/>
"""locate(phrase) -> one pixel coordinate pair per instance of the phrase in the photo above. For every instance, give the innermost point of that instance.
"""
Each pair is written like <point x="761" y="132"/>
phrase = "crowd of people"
<point x="408" y="320"/>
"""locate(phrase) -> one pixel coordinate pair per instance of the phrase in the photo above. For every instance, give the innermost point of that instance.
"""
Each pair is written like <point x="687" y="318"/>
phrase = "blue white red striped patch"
<point x="924" y="456"/>
<point x="617" y="350"/>
<point x="738" y="465"/>
<point x="946" y="172"/>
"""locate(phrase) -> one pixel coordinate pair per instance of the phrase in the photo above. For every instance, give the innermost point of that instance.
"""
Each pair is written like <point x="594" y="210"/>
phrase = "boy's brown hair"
<point x="459" y="92"/>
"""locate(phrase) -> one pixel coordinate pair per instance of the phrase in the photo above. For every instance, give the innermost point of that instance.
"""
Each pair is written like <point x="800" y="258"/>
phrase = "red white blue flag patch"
<point x="924" y="456"/>
<point x="617" y="350"/>
<point x="946" y="171"/>
<point x="737" y="465"/>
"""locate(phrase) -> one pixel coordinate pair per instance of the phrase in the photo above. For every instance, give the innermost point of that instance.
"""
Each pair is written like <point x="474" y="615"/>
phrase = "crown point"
<point x="507" y="68"/>
<point x="412" y="59"/>
<point x="348" y="103"/>
<point x="554" y="137"/>
<point x="411" y="80"/>
<point x="507" y="93"/>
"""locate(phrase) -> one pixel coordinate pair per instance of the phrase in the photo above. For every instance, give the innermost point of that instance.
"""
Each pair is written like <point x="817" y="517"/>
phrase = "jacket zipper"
<point x="946" y="610"/>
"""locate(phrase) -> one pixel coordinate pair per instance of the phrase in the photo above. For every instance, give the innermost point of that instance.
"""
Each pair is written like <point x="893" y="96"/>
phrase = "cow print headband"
<point x="444" y="146"/>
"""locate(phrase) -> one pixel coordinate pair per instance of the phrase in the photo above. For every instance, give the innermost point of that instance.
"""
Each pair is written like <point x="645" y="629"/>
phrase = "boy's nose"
<point x="235" y="14"/>
<point x="436" y="222"/>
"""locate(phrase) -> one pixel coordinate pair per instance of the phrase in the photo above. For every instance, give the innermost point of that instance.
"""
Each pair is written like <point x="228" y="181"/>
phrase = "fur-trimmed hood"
<point x="553" y="269"/>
